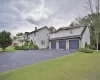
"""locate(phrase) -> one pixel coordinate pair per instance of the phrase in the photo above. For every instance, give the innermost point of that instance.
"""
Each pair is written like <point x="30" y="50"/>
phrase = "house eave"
<point x="66" y="28"/>
<point x="67" y="37"/>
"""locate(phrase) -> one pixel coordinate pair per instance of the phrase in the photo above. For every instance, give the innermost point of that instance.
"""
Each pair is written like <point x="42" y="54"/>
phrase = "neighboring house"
<point x="69" y="38"/>
<point x="19" y="41"/>
<point x="39" y="37"/>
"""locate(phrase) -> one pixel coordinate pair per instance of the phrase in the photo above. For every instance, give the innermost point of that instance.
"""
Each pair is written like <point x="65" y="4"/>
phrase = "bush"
<point x="36" y="47"/>
<point x="27" y="46"/>
<point x="86" y="50"/>
<point x="21" y="48"/>
<point x="17" y="47"/>
<point x="31" y="47"/>
<point x="89" y="46"/>
<point x="24" y="48"/>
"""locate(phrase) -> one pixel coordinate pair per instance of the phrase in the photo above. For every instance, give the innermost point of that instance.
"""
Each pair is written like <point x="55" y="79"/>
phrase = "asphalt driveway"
<point x="9" y="61"/>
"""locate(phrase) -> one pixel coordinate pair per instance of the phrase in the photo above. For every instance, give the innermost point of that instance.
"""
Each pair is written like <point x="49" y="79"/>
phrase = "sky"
<point x="24" y="15"/>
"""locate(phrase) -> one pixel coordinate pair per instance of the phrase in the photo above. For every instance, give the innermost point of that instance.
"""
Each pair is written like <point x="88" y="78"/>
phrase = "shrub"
<point x="18" y="47"/>
<point x="24" y="48"/>
<point x="89" y="46"/>
<point x="36" y="47"/>
<point x="86" y="50"/>
<point x="27" y="46"/>
<point x="31" y="47"/>
<point x="21" y="48"/>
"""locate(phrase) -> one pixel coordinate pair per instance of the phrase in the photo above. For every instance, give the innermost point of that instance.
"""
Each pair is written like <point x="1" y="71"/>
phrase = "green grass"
<point x="10" y="49"/>
<point x="79" y="66"/>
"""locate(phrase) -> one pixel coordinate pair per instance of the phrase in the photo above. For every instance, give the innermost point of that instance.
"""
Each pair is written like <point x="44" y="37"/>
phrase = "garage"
<point x="53" y="44"/>
<point x="74" y="44"/>
<point x="62" y="44"/>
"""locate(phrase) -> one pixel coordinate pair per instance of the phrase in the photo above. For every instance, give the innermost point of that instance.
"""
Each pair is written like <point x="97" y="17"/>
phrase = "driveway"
<point x="13" y="60"/>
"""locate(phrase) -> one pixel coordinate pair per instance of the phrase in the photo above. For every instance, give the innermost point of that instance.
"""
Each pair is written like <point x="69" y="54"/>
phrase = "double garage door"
<point x="73" y="44"/>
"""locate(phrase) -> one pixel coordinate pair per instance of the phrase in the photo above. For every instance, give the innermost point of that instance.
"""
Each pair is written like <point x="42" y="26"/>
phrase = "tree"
<point x="95" y="17"/>
<point x="19" y="34"/>
<point x="5" y="39"/>
<point x="52" y="29"/>
<point x="92" y="19"/>
<point x="73" y="24"/>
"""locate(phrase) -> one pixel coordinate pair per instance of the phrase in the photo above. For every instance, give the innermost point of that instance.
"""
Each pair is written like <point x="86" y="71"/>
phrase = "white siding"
<point x="42" y="35"/>
<point x="64" y="33"/>
<point x="85" y="38"/>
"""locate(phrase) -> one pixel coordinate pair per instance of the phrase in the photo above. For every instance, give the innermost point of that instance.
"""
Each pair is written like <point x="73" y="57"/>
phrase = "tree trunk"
<point x="97" y="42"/>
<point x="3" y="49"/>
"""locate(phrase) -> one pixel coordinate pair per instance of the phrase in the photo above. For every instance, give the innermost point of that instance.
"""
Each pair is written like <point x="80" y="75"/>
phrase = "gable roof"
<point x="36" y="30"/>
<point x="66" y="28"/>
<point x="74" y="36"/>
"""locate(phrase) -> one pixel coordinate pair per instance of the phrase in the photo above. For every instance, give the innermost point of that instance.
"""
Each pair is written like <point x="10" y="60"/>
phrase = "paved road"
<point x="9" y="61"/>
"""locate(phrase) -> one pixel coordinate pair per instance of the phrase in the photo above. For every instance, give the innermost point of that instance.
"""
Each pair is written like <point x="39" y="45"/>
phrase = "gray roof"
<point x="36" y="30"/>
<point x="71" y="37"/>
<point x="66" y="28"/>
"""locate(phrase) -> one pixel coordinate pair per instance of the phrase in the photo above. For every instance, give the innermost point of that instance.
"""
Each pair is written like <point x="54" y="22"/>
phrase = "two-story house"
<point x="39" y="37"/>
<point x="69" y="38"/>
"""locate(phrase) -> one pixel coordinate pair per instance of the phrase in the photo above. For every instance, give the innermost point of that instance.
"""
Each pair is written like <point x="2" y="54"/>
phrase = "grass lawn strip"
<point x="79" y="66"/>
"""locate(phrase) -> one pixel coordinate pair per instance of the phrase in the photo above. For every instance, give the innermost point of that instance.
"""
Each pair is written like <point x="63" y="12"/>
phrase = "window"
<point x="71" y="32"/>
<point x="42" y="42"/>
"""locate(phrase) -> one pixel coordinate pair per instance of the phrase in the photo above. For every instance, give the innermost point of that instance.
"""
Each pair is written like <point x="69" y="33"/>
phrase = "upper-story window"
<point x="71" y="31"/>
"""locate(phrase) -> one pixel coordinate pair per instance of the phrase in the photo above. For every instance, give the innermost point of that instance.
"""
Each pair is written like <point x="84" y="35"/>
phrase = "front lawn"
<point x="79" y="66"/>
<point x="9" y="49"/>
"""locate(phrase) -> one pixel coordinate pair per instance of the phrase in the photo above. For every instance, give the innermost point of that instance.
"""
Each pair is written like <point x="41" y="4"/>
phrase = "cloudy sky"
<point x="24" y="15"/>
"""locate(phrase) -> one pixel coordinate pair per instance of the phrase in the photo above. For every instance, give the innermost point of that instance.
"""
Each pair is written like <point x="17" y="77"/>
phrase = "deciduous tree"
<point x="92" y="19"/>
<point x="5" y="39"/>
